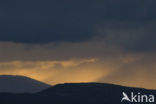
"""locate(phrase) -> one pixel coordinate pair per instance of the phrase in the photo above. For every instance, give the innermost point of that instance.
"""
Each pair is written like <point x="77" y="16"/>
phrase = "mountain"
<point x="20" y="84"/>
<point x="80" y="93"/>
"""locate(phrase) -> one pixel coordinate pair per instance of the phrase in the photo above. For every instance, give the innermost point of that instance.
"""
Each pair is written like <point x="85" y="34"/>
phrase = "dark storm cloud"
<point x="131" y="36"/>
<point x="37" y="21"/>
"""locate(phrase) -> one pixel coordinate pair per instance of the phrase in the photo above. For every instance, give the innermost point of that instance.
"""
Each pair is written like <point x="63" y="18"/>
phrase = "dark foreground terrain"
<point x="76" y="93"/>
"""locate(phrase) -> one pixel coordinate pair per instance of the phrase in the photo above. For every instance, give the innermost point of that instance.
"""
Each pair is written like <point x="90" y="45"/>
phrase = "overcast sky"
<point x="57" y="41"/>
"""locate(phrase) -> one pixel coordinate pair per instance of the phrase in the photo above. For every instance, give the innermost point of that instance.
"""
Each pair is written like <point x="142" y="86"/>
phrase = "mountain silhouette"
<point x="76" y="93"/>
<point x="20" y="84"/>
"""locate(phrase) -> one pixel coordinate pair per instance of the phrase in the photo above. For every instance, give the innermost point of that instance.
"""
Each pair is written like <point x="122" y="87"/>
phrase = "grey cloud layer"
<point x="35" y="21"/>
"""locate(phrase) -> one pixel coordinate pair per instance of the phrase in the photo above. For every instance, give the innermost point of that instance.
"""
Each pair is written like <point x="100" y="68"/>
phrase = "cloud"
<point x="54" y="52"/>
<point x="37" y="22"/>
<point x="131" y="36"/>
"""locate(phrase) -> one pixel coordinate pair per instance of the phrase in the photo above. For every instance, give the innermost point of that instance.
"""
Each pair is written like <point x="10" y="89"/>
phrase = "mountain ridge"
<point x="76" y="93"/>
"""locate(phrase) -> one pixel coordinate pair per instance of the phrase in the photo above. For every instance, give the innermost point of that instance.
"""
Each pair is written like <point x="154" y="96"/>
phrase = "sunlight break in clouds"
<point x="52" y="72"/>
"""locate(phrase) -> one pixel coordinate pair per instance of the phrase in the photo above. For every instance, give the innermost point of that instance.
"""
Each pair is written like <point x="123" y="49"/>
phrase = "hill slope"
<point x="20" y="84"/>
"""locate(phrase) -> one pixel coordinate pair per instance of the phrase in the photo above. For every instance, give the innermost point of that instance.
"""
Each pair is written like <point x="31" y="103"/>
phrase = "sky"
<point x="58" y="41"/>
